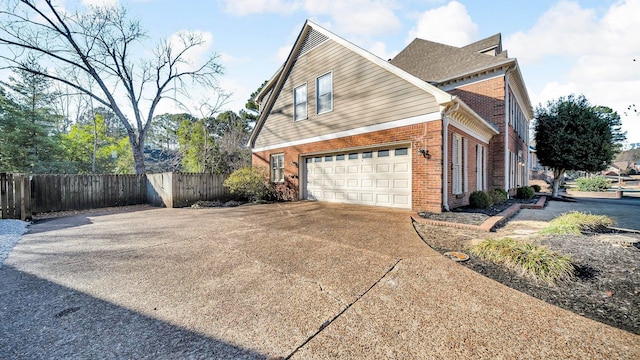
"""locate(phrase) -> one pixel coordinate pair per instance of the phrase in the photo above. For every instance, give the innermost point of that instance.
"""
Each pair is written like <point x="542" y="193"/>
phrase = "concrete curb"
<point x="488" y="225"/>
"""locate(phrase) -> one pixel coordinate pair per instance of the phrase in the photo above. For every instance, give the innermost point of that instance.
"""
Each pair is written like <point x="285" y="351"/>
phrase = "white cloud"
<point x="599" y="52"/>
<point x="449" y="24"/>
<point x="196" y="55"/>
<point x="248" y="7"/>
<point x="380" y="49"/>
<point x="358" y="17"/>
<point x="350" y="17"/>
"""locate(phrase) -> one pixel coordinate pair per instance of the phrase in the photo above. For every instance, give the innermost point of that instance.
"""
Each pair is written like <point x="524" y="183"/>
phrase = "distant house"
<point x="421" y="131"/>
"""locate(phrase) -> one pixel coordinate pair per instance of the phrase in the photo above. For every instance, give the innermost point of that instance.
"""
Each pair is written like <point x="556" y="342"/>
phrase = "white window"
<point x="300" y="103"/>
<point x="481" y="167"/>
<point x="324" y="93"/>
<point x="456" y="159"/>
<point x="277" y="168"/>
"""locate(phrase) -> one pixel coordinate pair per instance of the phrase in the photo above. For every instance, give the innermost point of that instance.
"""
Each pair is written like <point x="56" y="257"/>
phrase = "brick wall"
<point x="457" y="200"/>
<point x="426" y="172"/>
<point x="487" y="98"/>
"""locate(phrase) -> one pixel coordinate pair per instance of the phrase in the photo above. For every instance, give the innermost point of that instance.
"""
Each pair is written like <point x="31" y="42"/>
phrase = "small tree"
<point x="571" y="134"/>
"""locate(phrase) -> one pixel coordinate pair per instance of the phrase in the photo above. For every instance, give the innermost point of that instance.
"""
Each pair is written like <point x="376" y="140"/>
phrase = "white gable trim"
<point x="358" y="131"/>
<point x="441" y="96"/>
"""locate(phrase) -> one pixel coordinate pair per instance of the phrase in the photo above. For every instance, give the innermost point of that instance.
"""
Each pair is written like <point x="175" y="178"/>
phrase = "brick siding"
<point x="426" y="172"/>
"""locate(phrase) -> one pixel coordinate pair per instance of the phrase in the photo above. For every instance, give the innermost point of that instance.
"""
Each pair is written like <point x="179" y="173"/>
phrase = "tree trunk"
<point x="557" y="179"/>
<point x="138" y="158"/>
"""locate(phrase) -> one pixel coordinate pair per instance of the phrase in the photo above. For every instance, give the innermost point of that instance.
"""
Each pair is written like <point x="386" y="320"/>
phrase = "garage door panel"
<point x="400" y="183"/>
<point x="401" y="167"/>
<point x="381" y="177"/>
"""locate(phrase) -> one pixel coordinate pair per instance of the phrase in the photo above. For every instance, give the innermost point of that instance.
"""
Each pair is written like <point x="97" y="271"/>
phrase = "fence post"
<point x="4" y="204"/>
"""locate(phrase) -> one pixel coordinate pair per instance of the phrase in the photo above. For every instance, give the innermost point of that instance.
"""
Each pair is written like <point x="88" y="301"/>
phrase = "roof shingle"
<point x="434" y="62"/>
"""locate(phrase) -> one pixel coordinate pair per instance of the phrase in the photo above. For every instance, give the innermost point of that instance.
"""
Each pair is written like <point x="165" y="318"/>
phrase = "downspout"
<point x="445" y="154"/>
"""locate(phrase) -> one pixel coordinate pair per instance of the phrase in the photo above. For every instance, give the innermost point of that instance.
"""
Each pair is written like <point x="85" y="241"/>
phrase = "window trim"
<point x="318" y="112"/>
<point x="280" y="167"/>
<point x="456" y="164"/>
<point x="306" y="103"/>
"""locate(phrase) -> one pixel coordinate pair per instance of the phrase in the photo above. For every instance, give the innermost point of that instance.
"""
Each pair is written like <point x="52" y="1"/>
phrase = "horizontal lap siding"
<point x="364" y="94"/>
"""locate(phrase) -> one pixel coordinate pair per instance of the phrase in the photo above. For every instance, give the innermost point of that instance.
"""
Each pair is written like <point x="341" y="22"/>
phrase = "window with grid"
<point x="456" y="160"/>
<point x="300" y="103"/>
<point x="324" y="93"/>
<point x="277" y="168"/>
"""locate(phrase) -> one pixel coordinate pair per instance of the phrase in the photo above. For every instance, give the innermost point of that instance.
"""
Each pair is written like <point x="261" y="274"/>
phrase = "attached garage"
<point x="378" y="177"/>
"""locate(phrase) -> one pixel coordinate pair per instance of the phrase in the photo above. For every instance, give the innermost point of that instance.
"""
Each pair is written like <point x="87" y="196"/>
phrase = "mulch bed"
<point x="607" y="283"/>
<point x="475" y="216"/>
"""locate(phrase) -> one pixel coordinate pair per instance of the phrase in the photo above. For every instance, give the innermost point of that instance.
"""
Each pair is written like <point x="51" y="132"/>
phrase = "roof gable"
<point x="311" y="36"/>
<point x="435" y="62"/>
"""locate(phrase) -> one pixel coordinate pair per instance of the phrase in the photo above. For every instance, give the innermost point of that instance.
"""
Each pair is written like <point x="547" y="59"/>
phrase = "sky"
<point x="588" y="47"/>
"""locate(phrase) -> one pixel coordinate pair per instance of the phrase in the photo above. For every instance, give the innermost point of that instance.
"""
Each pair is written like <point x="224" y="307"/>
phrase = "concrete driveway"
<point x="301" y="280"/>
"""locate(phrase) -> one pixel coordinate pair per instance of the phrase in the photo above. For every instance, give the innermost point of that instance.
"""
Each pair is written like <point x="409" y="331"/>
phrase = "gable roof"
<point x="491" y="43"/>
<point x="274" y="86"/>
<point x="435" y="62"/>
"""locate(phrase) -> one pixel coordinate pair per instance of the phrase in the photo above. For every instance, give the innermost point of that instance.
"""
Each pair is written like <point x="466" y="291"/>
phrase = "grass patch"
<point x="576" y="222"/>
<point x="530" y="260"/>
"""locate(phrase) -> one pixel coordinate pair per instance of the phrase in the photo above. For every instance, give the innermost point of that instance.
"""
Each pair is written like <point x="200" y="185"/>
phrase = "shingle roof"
<point x="487" y="43"/>
<point x="435" y="62"/>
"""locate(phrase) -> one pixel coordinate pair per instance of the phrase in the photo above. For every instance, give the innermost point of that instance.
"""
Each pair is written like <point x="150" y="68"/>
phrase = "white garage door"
<point x="376" y="177"/>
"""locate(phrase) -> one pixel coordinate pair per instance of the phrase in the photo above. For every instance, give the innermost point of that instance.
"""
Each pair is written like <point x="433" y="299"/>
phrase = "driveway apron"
<point x="300" y="280"/>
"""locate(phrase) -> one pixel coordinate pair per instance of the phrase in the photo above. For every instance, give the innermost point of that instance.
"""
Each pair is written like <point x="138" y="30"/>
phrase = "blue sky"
<point x="563" y="47"/>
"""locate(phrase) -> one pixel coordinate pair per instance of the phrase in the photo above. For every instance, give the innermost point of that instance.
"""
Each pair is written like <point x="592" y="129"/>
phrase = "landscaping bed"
<point x="474" y="216"/>
<point x="606" y="286"/>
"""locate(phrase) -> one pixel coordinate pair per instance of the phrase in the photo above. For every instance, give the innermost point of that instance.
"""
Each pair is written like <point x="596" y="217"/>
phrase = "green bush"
<point x="536" y="187"/>
<point x="594" y="183"/>
<point x="250" y="182"/>
<point x="534" y="261"/>
<point x="576" y="222"/>
<point x="525" y="192"/>
<point x="480" y="200"/>
<point x="499" y="196"/>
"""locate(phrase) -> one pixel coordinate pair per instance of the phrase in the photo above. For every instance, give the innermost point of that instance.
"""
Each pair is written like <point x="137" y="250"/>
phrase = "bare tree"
<point x="100" y="45"/>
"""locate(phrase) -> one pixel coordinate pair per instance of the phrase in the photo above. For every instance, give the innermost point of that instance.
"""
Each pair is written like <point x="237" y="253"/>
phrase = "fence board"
<point x="81" y="192"/>
<point x="15" y="196"/>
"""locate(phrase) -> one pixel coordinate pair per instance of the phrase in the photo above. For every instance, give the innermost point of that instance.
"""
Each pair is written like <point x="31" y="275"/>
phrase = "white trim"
<point x="469" y="131"/>
<point x="318" y="93"/>
<point x="507" y="164"/>
<point x="357" y="131"/>
<point x="475" y="79"/>
<point x="441" y="96"/>
<point x="465" y="165"/>
<point x="457" y="166"/>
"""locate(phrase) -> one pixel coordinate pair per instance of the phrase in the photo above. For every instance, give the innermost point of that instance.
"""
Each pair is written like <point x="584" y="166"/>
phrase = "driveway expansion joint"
<point x="329" y="322"/>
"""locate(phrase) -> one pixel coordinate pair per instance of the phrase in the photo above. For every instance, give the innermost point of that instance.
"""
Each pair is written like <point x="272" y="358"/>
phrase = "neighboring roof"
<point x="443" y="98"/>
<point x="435" y="62"/>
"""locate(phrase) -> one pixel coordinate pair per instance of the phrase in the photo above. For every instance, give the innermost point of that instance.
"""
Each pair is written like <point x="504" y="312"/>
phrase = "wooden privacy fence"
<point x="184" y="189"/>
<point x="80" y="192"/>
<point x="15" y="196"/>
<point x="23" y="195"/>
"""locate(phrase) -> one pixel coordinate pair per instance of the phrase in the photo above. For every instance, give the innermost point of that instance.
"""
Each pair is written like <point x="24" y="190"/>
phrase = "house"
<point x="420" y="131"/>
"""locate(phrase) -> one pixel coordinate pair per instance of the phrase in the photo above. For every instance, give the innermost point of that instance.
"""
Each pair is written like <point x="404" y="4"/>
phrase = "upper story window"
<point x="324" y="93"/>
<point x="300" y="102"/>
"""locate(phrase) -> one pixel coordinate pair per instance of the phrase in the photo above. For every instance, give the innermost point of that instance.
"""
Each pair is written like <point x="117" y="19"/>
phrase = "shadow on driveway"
<point x="43" y="320"/>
